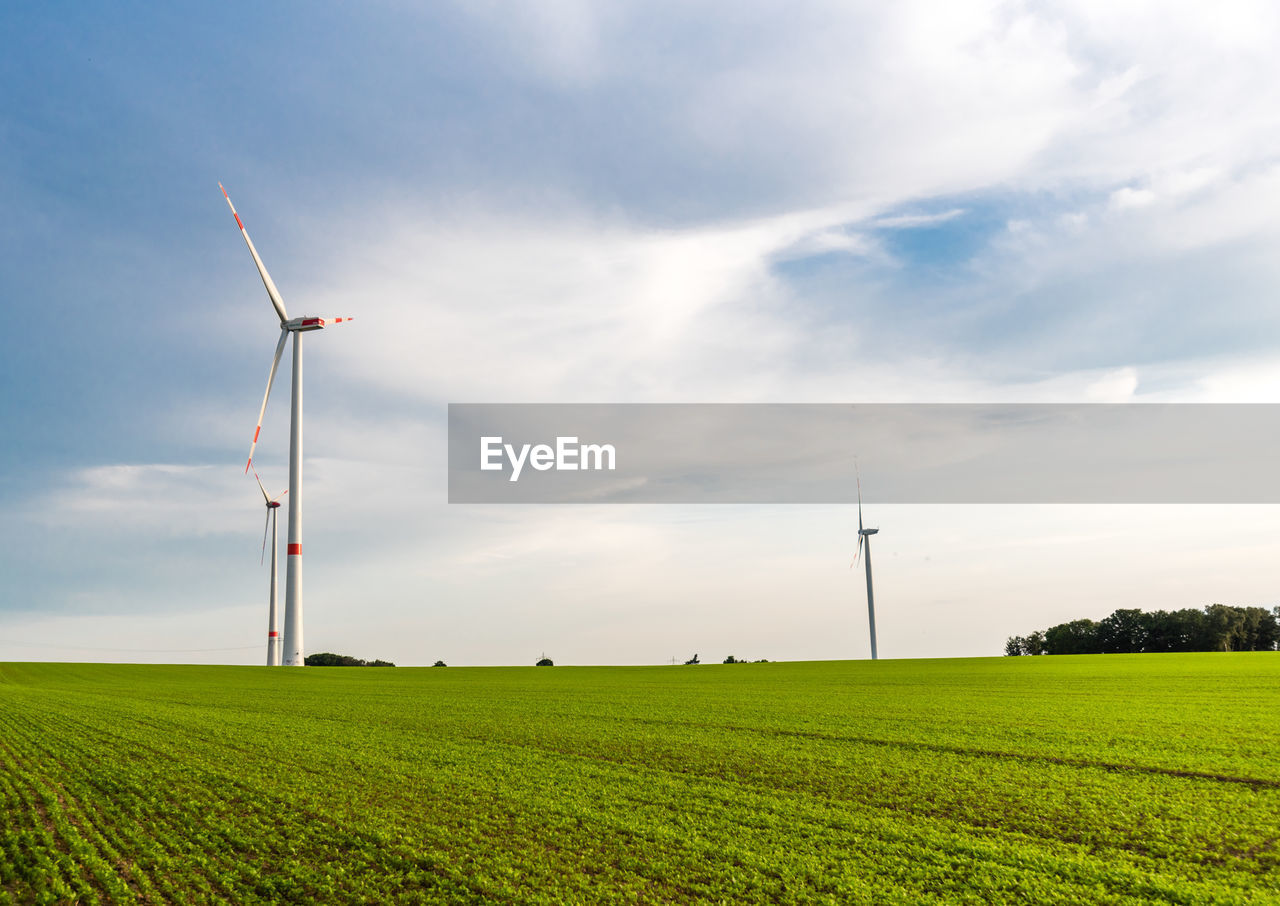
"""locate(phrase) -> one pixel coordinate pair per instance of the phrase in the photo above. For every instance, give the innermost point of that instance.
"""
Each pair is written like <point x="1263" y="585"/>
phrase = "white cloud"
<point x="1127" y="197"/>
<point x="504" y="309"/>
<point x="173" y="499"/>
<point x="910" y="221"/>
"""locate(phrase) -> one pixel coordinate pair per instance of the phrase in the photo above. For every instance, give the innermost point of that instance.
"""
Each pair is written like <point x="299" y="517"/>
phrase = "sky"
<point x="587" y="202"/>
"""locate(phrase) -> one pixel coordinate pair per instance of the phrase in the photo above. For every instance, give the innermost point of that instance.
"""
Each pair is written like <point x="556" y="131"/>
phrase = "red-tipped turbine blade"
<point x="262" y="268"/>
<point x="328" y="321"/>
<point x="858" y="554"/>
<point x="275" y="363"/>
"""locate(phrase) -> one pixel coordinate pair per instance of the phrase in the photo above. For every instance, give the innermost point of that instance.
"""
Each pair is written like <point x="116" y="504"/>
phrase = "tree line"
<point x="1218" y="627"/>
<point x="329" y="659"/>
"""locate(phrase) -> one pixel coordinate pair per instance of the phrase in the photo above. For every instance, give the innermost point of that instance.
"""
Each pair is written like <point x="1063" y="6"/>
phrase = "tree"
<point x="439" y="664"/>
<point x="1188" y="630"/>
<point x="731" y="660"/>
<point x="329" y="659"/>
<point x="1226" y="627"/>
<point x="1076" y="637"/>
<point x="1164" y="631"/>
<point x="1015" y="646"/>
<point x="1261" y="630"/>
<point x="545" y="662"/>
<point x="1124" y="632"/>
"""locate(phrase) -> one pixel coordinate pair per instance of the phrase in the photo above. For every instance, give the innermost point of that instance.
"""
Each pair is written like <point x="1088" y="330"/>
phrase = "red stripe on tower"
<point x="272" y="634"/>
<point x="295" y="550"/>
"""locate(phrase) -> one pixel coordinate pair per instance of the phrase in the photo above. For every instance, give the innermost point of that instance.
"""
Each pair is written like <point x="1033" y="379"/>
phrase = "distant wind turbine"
<point x="864" y="537"/>
<point x="293" y="653"/>
<point x="273" y="637"/>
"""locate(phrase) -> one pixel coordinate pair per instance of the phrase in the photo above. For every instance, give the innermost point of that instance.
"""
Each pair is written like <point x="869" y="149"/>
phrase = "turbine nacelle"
<point x="298" y="325"/>
<point x="868" y="531"/>
<point x="294" y="325"/>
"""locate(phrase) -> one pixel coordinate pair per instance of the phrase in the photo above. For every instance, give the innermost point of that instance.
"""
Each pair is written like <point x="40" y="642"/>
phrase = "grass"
<point x="1107" y="779"/>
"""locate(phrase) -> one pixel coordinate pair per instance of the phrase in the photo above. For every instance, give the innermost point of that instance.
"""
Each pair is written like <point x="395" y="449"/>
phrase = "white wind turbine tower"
<point x="273" y="636"/>
<point x="864" y="537"/>
<point x="293" y="649"/>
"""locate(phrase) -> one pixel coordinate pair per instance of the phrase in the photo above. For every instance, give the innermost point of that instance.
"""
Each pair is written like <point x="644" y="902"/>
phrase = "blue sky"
<point x="692" y="202"/>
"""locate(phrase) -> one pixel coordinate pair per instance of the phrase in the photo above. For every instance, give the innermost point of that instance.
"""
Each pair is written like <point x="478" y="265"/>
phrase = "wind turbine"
<point x="293" y="650"/>
<point x="864" y="537"/>
<point x="273" y="504"/>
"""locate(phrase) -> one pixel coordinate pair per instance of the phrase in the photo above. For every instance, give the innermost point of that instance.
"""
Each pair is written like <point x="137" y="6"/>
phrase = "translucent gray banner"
<point x="926" y="453"/>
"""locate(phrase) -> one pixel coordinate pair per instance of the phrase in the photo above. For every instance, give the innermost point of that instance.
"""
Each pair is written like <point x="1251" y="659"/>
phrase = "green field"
<point x="1108" y="779"/>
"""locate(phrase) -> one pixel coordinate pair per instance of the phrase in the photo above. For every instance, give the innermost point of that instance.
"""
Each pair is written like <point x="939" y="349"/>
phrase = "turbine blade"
<point x="328" y="321"/>
<point x="858" y="554"/>
<point x="260" y="487"/>
<point x="262" y="268"/>
<point x="858" y="477"/>
<point x="265" y="528"/>
<point x="275" y="363"/>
